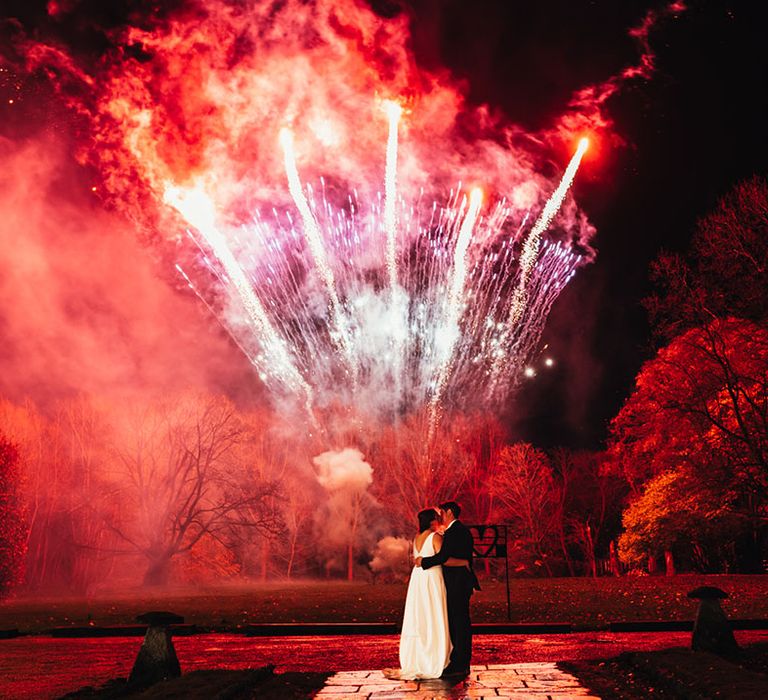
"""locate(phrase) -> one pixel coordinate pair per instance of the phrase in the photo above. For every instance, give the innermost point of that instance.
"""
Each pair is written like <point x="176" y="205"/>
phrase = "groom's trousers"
<point x="458" y="589"/>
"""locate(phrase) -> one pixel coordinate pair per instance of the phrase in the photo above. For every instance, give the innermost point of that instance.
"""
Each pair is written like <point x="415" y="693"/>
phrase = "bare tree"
<point x="524" y="486"/>
<point x="179" y="481"/>
<point x="589" y="505"/>
<point x="298" y="507"/>
<point x="266" y="455"/>
<point x="46" y="489"/>
<point x="414" y="473"/>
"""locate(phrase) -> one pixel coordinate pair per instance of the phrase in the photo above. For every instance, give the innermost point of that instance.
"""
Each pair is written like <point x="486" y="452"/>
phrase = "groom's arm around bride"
<point x="457" y="544"/>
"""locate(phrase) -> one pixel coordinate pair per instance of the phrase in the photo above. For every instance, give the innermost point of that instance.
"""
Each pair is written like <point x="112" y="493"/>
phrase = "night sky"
<point x="690" y="133"/>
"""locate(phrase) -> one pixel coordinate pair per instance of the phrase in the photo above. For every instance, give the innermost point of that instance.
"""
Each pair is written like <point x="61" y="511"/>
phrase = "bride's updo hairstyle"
<point x="426" y="518"/>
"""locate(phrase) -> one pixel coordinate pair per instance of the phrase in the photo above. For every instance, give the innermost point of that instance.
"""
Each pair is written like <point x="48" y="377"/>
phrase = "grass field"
<point x="579" y="601"/>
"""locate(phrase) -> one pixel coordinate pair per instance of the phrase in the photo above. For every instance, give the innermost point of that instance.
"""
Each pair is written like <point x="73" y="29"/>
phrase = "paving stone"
<point x="356" y="674"/>
<point x="389" y="687"/>
<point x="433" y="685"/>
<point x="497" y="683"/>
<point x="479" y="692"/>
<point x="538" y="692"/>
<point x="521" y="696"/>
<point x="336" y="689"/>
<point x="565" y="684"/>
<point x="494" y="680"/>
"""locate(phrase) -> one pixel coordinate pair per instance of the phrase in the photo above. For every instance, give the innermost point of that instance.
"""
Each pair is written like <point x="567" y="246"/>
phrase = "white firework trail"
<point x="197" y="208"/>
<point x="531" y="247"/>
<point x="397" y="300"/>
<point x="393" y="111"/>
<point x="317" y="247"/>
<point x="434" y="306"/>
<point x="455" y="304"/>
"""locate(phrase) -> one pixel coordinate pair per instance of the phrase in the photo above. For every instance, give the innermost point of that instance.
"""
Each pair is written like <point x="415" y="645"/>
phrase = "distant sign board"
<point x="490" y="541"/>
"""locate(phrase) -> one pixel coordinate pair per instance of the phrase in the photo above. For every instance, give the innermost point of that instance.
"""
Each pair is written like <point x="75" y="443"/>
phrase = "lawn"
<point x="583" y="602"/>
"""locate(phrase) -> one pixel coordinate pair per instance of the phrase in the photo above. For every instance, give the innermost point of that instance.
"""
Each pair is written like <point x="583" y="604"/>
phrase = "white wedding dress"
<point x="425" y="644"/>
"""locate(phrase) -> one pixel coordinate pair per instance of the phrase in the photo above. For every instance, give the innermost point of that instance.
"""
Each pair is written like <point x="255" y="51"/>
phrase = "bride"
<point x="425" y="644"/>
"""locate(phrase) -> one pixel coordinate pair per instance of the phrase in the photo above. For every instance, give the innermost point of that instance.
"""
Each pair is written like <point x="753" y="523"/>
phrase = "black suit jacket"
<point x="458" y="543"/>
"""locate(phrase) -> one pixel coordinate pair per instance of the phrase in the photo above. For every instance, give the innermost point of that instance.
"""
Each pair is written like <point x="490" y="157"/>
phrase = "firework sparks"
<point x="530" y="252"/>
<point x="391" y="291"/>
<point x="455" y="304"/>
<point x="453" y="317"/>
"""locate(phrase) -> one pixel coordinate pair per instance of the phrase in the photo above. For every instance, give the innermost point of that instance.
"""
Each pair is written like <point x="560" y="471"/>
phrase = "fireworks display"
<point x="420" y="327"/>
<point x="368" y="240"/>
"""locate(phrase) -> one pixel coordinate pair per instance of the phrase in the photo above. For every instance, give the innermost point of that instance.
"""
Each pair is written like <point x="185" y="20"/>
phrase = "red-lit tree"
<point x="525" y="489"/>
<point x="588" y="507"/>
<point x="13" y="529"/>
<point x="412" y="472"/>
<point x="680" y="514"/>
<point x="698" y="414"/>
<point x="62" y="457"/>
<point x="702" y="406"/>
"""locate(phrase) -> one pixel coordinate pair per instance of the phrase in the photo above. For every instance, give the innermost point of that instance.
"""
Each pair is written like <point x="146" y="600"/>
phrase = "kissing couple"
<point x="436" y="639"/>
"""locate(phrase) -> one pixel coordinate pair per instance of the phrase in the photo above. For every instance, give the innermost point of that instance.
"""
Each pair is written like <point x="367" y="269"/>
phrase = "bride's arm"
<point x="437" y="542"/>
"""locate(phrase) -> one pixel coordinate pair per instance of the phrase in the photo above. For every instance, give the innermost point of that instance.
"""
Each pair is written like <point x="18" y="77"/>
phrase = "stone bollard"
<point x="157" y="658"/>
<point x="711" y="630"/>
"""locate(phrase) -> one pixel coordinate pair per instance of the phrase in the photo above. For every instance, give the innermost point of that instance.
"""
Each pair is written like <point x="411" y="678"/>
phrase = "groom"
<point x="459" y="582"/>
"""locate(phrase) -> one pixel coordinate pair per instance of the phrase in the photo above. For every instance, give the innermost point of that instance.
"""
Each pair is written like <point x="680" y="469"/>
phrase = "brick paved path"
<point x="536" y="681"/>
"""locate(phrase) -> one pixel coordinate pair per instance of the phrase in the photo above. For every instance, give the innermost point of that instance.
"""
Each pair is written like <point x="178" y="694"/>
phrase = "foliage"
<point x="12" y="520"/>
<point x="412" y="473"/>
<point x="209" y="562"/>
<point x="190" y="487"/>
<point x="524" y="488"/>
<point x="677" y="512"/>
<point x="588" y="508"/>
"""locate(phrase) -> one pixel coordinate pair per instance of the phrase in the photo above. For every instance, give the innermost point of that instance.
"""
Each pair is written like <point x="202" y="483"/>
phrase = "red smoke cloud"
<point x="84" y="307"/>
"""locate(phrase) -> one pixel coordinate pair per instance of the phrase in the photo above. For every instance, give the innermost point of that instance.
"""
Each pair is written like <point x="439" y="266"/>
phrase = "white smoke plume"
<point x="343" y="470"/>
<point x="390" y="557"/>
